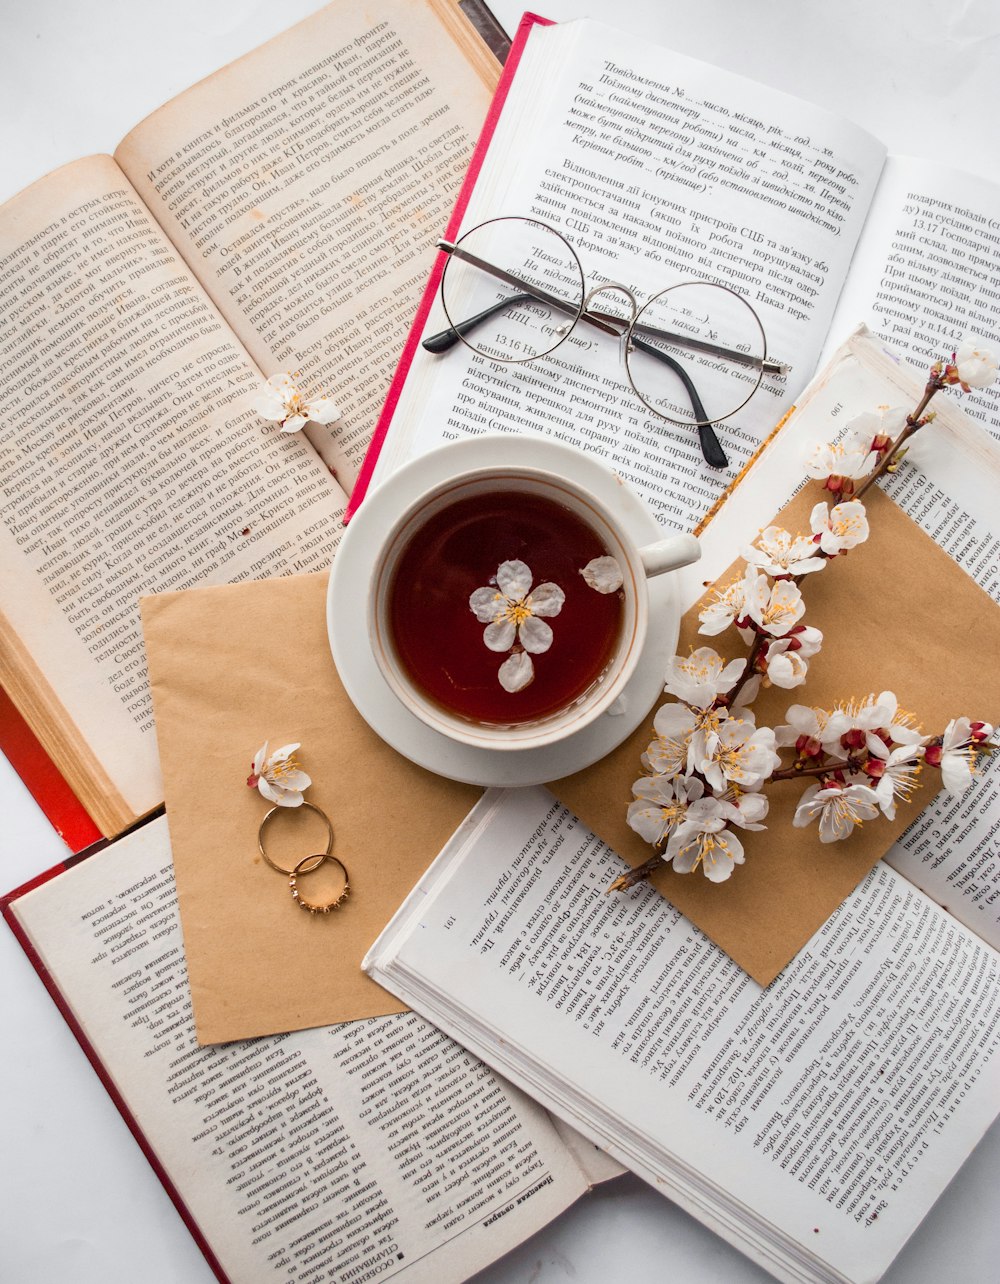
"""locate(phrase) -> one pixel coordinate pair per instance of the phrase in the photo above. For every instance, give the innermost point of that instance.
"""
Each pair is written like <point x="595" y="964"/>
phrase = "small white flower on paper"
<point x="279" y="777"/>
<point x="839" y="808"/>
<point x="281" y="402"/>
<point x="956" y="754"/>
<point x="805" y="730"/>
<point x="895" y="774"/>
<point x="787" y="658"/>
<point x="776" y="552"/>
<point x="736" y="753"/>
<point x="699" y="677"/>
<point x="976" y="364"/>
<point x="604" y="574"/>
<point x="660" y="804"/>
<point x="703" y="840"/>
<point x="512" y="613"/>
<point x="774" y="608"/>
<point x="850" y="459"/>
<point x="727" y="605"/>
<point x="840" y="528"/>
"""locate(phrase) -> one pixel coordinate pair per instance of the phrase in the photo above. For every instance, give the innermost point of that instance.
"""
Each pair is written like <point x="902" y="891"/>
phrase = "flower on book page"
<point x="279" y="777"/>
<point x="876" y="430"/>
<point x="894" y="773"/>
<point x="839" y="464"/>
<point x="840" y="808"/>
<point x="699" y="677"/>
<point x="974" y="365"/>
<point x="957" y="752"/>
<point x="281" y="402"/>
<point x="840" y="528"/>
<point x="777" y="553"/>
<point x="512" y="611"/>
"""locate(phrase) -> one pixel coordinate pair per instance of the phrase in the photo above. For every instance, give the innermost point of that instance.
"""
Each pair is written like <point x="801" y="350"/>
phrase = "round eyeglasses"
<point x="513" y="290"/>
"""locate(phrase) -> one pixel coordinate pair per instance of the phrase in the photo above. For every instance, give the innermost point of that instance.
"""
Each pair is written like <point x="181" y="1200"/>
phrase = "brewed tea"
<point x="440" y="641"/>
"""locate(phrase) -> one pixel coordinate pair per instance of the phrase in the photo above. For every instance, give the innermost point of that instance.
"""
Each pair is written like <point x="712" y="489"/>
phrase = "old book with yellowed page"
<point x="277" y="216"/>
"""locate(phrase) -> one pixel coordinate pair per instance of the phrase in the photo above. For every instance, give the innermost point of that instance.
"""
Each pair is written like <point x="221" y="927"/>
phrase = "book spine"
<point x="43" y="780"/>
<point x="528" y="23"/>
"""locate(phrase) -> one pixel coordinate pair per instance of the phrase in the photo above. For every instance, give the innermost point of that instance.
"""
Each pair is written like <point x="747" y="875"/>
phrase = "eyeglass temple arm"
<point x="714" y="455"/>
<point x="446" y="339"/>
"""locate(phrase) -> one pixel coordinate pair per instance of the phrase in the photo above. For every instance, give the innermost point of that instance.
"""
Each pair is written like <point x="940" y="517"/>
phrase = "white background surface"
<point x="78" y="1202"/>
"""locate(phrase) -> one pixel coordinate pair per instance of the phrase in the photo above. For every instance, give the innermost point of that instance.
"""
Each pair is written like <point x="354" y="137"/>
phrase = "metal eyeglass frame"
<point x="630" y="332"/>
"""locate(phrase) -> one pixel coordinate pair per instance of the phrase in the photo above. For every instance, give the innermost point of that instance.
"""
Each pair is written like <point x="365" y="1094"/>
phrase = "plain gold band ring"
<point x="317" y="858"/>
<point x="311" y="906"/>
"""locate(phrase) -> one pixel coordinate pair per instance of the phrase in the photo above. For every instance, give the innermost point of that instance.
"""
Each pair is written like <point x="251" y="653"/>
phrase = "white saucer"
<point x="347" y="597"/>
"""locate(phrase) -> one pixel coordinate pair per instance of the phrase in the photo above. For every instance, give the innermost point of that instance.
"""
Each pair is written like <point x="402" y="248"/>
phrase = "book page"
<point x="657" y="169"/>
<point x="305" y="185"/>
<point x="130" y="462"/>
<point x="376" y="1149"/>
<point x="927" y="267"/>
<point x="812" y="1123"/>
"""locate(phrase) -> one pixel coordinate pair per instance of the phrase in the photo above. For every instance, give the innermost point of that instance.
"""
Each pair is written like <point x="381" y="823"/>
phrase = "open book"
<point x="277" y="216"/>
<point x="812" y="1123"/>
<point x="658" y="169"/>
<point x="375" y="1149"/>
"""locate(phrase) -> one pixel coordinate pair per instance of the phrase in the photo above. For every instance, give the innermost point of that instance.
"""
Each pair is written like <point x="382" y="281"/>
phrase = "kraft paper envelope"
<point x="898" y="614"/>
<point x="231" y="667"/>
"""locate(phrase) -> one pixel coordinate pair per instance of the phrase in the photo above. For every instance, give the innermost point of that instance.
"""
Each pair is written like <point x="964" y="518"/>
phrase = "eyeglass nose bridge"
<point x="607" y="317"/>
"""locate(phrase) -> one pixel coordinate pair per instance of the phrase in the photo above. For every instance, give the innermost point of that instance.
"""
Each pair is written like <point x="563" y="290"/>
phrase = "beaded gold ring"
<point x="316" y="859"/>
<point x="311" y="906"/>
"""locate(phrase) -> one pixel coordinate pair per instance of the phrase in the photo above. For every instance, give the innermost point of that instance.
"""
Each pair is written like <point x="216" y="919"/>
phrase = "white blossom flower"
<point x="895" y="775"/>
<point x="840" y="528"/>
<point x="849" y="459"/>
<point x="699" y="677"/>
<point x="604" y="574"/>
<point x="776" y="552"/>
<point x="882" y="426"/>
<point x="279" y="777"/>
<point x="975" y="363"/>
<point x="512" y="612"/>
<point x="805" y="729"/>
<point x="956" y="754"/>
<point x="734" y="752"/>
<point x="660" y="804"/>
<point x="854" y="725"/>
<point x="702" y="839"/>
<point x="839" y="808"/>
<point x="726" y="606"/>
<point x="774" y="608"/>
<point x="674" y="725"/>
<point x="281" y="402"/>
<point x="745" y="810"/>
<point x="788" y="658"/>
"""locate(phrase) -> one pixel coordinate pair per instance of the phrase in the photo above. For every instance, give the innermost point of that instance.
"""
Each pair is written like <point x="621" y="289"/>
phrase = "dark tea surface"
<point x="439" y="639"/>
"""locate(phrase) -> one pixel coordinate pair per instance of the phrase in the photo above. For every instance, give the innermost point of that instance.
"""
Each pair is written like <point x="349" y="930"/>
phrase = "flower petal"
<point x="535" y="635"/>
<point x="293" y="423"/>
<point x="516" y="671"/>
<point x="321" y="411"/>
<point x="486" y="604"/>
<point x="499" y="636"/>
<point x="603" y="574"/>
<point x="269" y="405"/>
<point x="514" y="579"/>
<point x="546" y="599"/>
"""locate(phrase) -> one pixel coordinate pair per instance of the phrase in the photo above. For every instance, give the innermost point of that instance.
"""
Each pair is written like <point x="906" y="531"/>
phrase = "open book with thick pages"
<point x="812" y="1124"/>
<point x="659" y="168"/>
<point x="372" y="1149"/>
<point x="277" y="216"/>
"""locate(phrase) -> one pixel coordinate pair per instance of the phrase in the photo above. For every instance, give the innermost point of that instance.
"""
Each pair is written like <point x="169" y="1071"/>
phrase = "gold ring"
<point x="301" y="901"/>
<point x="317" y="858"/>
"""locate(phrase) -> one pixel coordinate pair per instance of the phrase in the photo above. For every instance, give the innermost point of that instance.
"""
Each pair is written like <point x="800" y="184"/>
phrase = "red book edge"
<point x="43" y="779"/>
<point x="7" y="910"/>
<point x="527" y="24"/>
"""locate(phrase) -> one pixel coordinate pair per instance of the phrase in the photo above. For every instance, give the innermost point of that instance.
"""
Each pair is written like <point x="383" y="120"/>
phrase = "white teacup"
<point x="637" y="564"/>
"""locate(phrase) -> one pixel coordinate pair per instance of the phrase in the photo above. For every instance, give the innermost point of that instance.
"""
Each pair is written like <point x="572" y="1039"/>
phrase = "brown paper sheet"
<point x="230" y="667"/>
<point x="898" y="614"/>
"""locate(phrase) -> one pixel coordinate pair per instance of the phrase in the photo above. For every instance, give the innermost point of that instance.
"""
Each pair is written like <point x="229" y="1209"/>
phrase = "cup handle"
<point x="669" y="554"/>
